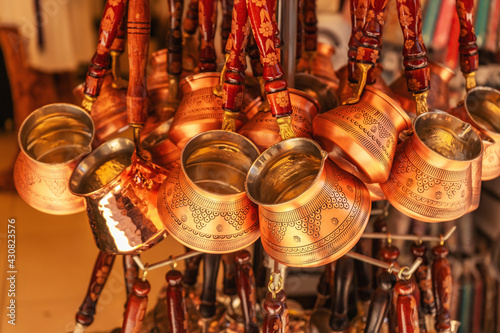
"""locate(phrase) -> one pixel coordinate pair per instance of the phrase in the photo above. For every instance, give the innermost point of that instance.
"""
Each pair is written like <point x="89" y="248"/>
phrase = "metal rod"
<point x="392" y="268"/>
<point x="166" y="262"/>
<point x="379" y="235"/>
<point x="288" y="25"/>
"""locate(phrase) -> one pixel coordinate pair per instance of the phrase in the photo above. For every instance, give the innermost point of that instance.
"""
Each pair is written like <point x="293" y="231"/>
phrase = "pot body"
<point x="361" y="138"/>
<point x="203" y="203"/>
<point x="163" y="151"/>
<point x="53" y="139"/>
<point x="321" y="65"/>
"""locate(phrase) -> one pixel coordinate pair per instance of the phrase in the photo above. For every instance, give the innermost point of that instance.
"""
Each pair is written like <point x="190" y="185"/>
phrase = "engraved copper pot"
<point x="431" y="178"/>
<point x="361" y="138"/>
<point x="263" y="130"/>
<point x="481" y="109"/>
<point x="120" y="191"/>
<point x="163" y="151"/>
<point x="109" y="110"/>
<point x="203" y="203"/>
<point x="199" y="110"/>
<point x="439" y="95"/>
<point x="53" y="139"/>
<point x="311" y="212"/>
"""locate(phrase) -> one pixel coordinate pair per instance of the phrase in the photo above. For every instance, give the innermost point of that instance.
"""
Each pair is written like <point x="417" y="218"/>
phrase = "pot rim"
<point x="195" y="77"/>
<point x="269" y="153"/>
<point x="395" y="105"/>
<point x="465" y="105"/>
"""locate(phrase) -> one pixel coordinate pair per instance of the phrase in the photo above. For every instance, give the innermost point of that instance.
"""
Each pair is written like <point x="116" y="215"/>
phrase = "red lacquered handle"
<point x="191" y="20"/>
<point x="300" y="28"/>
<point x="137" y="304"/>
<point x="229" y="282"/>
<point x="245" y="282"/>
<point x="207" y="12"/>
<point x="100" y="274"/>
<point x="380" y="302"/>
<point x="264" y="29"/>
<point x="424" y="279"/>
<point x="174" y="39"/>
<point x="227" y="14"/>
<point x="442" y="283"/>
<point x="469" y="58"/>
<point x="139" y="26"/>
<point x="407" y="310"/>
<point x="130" y="272"/>
<point x="192" y="269"/>
<point x="175" y="302"/>
<point x="358" y="19"/>
<point x="310" y="26"/>
<point x="272" y="319"/>
<point x="253" y="52"/>
<point x="285" y="319"/>
<point x="339" y="321"/>
<point x="390" y="254"/>
<point x="100" y="62"/>
<point x="414" y="51"/>
<point x="119" y="42"/>
<point x="210" y="269"/>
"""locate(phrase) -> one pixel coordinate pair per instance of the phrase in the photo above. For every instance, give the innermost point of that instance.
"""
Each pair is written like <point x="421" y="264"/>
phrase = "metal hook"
<point x="275" y="288"/>
<point x="145" y="272"/>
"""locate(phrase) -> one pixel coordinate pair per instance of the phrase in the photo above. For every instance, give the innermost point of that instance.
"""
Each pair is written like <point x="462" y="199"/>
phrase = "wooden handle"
<point x="407" y="310"/>
<point x="101" y="61"/>
<point x="245" y="282"/>
<point x="139" y="26"/>
<point x="358" y="19"/>
<point x="130" y="272"/>
<point x="414" y="51"/>
<point x="191" y="19"/>
<point x="210" y="269"/>
<point x="390" y="253"/>
<point x="339" y="321"/>
<point x="310" y="26"/>
<point x="363" y="273"/>
<point x="118" y="45"/>
<point x="380" y="302"/>
<point x="102" y="267"/>
<point x="273" y="309"/>
<point x="323" y="287"/>
<point x="424" y="279"/>
<point x="227" y="14"/>
<point x="253" y="53"/>
<point x="175" y="302"/>
<point x="229" y="282"/>
<point x="285" y="319"/>
<point x="300" y="29"/>
<point x="137" y="304"/>
<point x="442" y="283"/>
<point x="264" y="29"/>
<point x="469" y="58"/>
<point x="379" y="225"/>
<point x="207" y="13"/>
<point x="174" y="38"/>
<point x="191" y="270"/>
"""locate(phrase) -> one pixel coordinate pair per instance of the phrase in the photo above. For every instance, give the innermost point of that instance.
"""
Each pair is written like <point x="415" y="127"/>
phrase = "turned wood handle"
<point x="102" y="267"/>
<point x="174" y="38"/>
<point x="245" y="282"/>
<point x="380" y="302"/>
<point x="191" y="270"/>
<point x="442" y="283"/>
<point x="339" y="321"/>
<point x="469" y="58"/>
<point x="273" y="309"/>
<point x="300" y="28"/>
<point x="137" y="304"/>
<point x="229" y="282"/>
<point x="310" y="26"/>
<point x="424" y="279"/>
<point x="119" y="41"/>
<point x="175" y="302"/>
<point x="414" y="51"/>
<point x="101" y="61"/>
<point x="407" y="310"/>
<point x="363" y="273"/>
<point x="371" y="41"/>
<point x="285" y="319"/>
<point x="139" y="26"/>
<point x="227" y="14"/>
<point x="261" y="15"/>
<point x="389" y="254"/>
<point x="207" y="12"/>
<point x="210" y="269"/>
<point x="130" y="272"/>
<point x="253" y="53"/>
<point x="358" y="19"/>
<point x="191" y="19"/>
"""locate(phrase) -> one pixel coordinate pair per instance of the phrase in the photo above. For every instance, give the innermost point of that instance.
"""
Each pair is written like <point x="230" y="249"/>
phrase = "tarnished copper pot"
<point x="120" y="192"/>
<point x="199" y="111"/>
<point x="263" y="130"/>
<point x="431" y="178"/>
<point x="481" y="109"/>
<point x="311" y="212"/>
<point x="203" y="203"/>
<point x="439" y="95"/>
<point x="163" y="152"/>
<point x="53" y="139"/>
<point x="361" y="138"/>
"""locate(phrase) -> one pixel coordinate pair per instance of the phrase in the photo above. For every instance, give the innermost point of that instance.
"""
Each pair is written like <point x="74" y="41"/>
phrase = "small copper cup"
<point x="311" y="212"/>
<point x="203" y="203"/>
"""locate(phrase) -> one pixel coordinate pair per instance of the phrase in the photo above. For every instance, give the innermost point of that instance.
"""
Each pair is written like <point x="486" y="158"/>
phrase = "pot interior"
<point x="483" y="104"/>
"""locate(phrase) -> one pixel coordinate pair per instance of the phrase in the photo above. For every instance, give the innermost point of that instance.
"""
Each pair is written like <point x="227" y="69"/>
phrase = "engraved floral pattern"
<point x="259" y="3"/>
<point x="271" y="59"/>
<point x="413" y="84"/>
<point x="282" y="99"/>
<point x="266" y="29"/>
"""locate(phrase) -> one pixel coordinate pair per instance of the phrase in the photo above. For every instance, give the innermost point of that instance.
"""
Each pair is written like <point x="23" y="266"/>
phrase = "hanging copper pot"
<point x="203" y="203"/>
<point x="163" y="151"/>
<point x="263" y="130"/>
<point x="317" y="89"/>
<point x="158" y="83"/>
<point x="311" y="211"/>
<point x="53" y="139"/>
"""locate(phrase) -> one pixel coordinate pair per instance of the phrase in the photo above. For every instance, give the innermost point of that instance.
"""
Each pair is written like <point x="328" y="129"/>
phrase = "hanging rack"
<point x="380" y="235"/>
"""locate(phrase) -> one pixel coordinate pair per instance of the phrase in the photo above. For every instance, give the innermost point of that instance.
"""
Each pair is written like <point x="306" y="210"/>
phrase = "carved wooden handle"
<point x="371" y="41"/>
<point x="102" y="268"/>
<point x="272" y="319"/>
<point x="175" y="302"/>
<point x="207" y="12"/>
<point x="310" y="26"/>
<point x="414" y="51"/>
<point x="174" y="38"/>
<point x="229" y="281"/>
<point x="137" y="304"/>
<point x="300" y="29"/>
<point x="285" y="319"/>
<point x="339" y="320"/>
<point x="358" y="19"/>
<point x="210" y="269"/>
<point x="139" y="26"/>
<point x="119" y="41"/>
<point x="192" y="268"/>
<point x="424" y="279"/>
<point x="407" y="310"/>
<point x="380" y="302"/>
<point x="245" y="282"/>
<point x="469" y="58"/>
<point x="390" y="253"/>
<point x="130" y="272"/>
<point x="191" y="20"/>
<point x="227" y="13"/>
<point x="442" y="283"/>
<point x="100" y="62"/>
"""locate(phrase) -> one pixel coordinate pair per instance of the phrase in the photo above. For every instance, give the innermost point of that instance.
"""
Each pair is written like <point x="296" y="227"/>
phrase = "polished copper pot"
<point x="163" y="151"/>
<point x="481" y="109"/>
<point x="120" y="191"/>
<point x="431" y="178"/>
<point x="158" y="82"/>
<point x="311" y="212"/>
<point x="203" y="203"/>
<point x="53" y="139"/>
<point x="361" y="138"/>
<point x="263" y="130"/>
